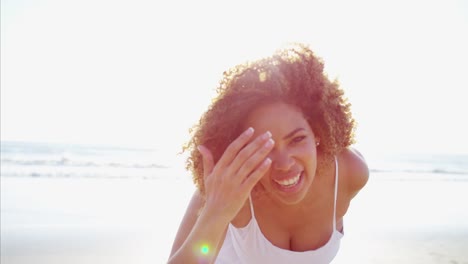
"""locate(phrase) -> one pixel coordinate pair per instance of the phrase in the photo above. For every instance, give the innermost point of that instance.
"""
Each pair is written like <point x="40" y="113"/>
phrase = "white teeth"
<point x="289" y="182"/>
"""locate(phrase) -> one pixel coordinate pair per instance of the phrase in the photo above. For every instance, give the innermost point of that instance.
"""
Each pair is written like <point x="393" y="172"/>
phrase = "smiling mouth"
<point x="288" y="183"/>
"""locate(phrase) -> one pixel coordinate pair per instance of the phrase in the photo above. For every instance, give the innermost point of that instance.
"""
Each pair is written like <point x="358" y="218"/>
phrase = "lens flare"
<point x="204" y="249"/>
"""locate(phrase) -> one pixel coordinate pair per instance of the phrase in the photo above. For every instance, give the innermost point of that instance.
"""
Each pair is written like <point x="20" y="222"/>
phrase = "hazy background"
<point x="141" y="72"/>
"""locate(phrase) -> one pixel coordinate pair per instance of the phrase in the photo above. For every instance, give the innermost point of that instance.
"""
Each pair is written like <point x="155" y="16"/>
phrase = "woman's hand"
<point x="229" y="182"/>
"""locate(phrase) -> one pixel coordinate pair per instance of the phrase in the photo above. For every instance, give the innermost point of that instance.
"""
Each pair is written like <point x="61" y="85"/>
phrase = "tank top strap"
<point x="336" y="193"/>
<point x="251" y="207"/>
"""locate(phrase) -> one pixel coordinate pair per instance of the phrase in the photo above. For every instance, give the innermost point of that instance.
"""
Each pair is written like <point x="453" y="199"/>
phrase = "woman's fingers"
<point x="229" y="181"/>
<point x="255" y="160"/>
<point x="252" y="155"/>
<point x="233" y="149"/>
<point x="208" y="162"/>
<point x="256" y="175"/>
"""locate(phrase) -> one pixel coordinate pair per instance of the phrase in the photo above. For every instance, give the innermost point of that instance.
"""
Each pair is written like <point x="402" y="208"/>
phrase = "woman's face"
<point x="294" y="156"/>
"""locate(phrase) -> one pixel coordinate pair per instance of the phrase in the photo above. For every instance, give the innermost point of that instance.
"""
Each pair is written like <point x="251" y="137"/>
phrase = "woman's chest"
<point x="301" y="232"/>
<point x="307" y="228"/>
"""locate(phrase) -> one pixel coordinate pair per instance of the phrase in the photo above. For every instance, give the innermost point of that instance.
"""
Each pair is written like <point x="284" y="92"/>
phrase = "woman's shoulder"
<point x="353" y="170"/>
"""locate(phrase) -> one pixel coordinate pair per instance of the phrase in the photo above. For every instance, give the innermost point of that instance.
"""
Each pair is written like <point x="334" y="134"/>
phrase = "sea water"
<point x="33" y="159"/>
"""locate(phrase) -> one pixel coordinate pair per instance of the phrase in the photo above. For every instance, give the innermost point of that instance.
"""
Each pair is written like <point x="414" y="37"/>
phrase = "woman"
<point x="273" y="166"/>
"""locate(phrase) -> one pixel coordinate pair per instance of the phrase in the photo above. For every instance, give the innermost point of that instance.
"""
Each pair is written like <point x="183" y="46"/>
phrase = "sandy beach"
<point x="66" y="220"/>
<point x="407" y="221"/>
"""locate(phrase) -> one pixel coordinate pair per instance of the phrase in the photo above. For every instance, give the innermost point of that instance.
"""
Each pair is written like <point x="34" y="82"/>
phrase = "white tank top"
<point x="248" y="245"/>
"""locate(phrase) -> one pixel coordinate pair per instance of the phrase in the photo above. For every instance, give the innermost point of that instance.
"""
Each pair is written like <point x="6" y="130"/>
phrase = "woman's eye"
<point x="298" y="139"/>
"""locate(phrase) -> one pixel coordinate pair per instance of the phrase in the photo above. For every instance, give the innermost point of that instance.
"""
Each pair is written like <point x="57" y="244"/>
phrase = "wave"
<point x="430" y="171"/>
<point x="66" y="162"/>
<point x="35" y="174"/>
<point x="74" y="169"/>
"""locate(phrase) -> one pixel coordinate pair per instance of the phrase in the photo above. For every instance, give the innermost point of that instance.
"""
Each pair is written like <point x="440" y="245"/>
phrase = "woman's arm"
<point x="200" y="235"/>
<point x="198" y="232"/>
<point x="227" y="187"/>
<point x="188" y="221"/>
<point x="357" y="171"/>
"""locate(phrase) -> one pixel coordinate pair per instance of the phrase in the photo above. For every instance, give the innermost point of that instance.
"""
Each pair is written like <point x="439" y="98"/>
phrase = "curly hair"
<point x="293" y="75"/>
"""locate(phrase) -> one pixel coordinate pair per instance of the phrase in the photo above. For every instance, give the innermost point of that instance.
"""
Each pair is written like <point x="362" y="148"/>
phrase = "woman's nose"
<point x="281" y="160"/>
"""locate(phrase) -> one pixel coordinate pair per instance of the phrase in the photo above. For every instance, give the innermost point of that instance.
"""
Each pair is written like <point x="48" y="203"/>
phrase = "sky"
<point x="140" y="73"/>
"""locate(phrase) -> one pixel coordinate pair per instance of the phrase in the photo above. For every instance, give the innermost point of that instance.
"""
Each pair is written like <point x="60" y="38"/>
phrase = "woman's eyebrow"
<point x="293" y="132"/>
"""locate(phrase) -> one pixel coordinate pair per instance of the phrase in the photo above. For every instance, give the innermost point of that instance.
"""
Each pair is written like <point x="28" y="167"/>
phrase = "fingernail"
<point x="200" y="149"/>
<point x="266" y="135"/>
<point x="269" y="143"/>
<point x="249" y="131"/>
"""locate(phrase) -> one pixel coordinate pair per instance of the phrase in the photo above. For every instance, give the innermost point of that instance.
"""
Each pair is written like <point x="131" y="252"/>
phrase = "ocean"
<point x="59" y="160"/>
<point x="54" y="160"/>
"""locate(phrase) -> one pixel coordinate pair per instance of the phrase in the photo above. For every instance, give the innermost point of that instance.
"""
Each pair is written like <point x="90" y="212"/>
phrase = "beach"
<point x="419" y="220"/>
<point x="92" y="220"/>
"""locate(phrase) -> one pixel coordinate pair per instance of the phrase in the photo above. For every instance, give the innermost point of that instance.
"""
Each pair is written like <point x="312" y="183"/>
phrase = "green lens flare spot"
<point x="204" y="249"/>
